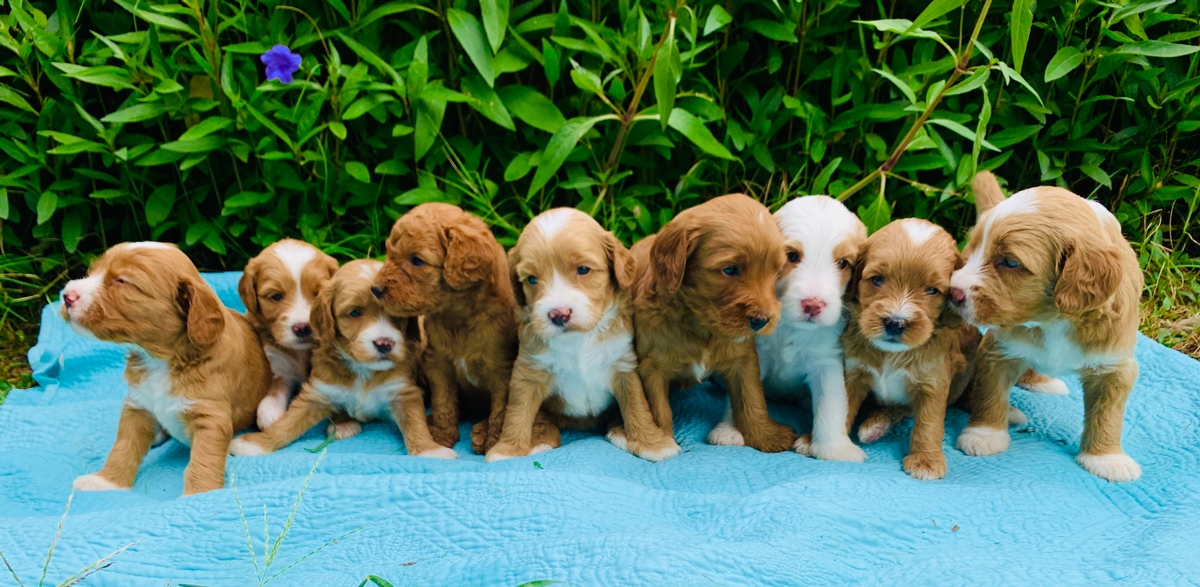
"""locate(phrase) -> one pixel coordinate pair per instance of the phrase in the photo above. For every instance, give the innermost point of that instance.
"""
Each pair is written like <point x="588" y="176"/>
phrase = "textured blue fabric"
<point x="590" y="514"/>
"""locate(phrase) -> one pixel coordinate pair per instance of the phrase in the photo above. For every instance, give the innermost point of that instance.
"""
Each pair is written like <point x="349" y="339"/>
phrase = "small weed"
<point x="99" y="565"/>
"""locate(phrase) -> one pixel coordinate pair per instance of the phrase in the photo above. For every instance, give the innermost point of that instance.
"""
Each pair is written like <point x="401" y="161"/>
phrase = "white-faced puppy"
<point x="903" y="341"/>
<point x="572" y="280"/>
<point x="821" y="238"/>
<point x="363" y="367"/>
<point x="1057" y="285"/>
<point x="279" y="287"/>
<point x="195" y="368"/>
<point x="705" y="289"/>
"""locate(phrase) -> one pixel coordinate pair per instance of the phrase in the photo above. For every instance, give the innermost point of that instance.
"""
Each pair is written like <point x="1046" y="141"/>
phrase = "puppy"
<point x="279" y="287"/>
<point x="445" y="265"/>
<point x="705" y="288"/>
<point x="903" y="342"/>
<point x="195" y="368"/>
<point x="1057" y="285"/>
<point x="572" y="280"/>
<point x="363" y="367"/>
<point x="822" y="239"/>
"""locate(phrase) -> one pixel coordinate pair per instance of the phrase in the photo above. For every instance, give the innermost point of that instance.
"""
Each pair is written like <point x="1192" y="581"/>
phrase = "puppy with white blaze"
<point x="576" y="363"/>
<point x="803" y="357"/>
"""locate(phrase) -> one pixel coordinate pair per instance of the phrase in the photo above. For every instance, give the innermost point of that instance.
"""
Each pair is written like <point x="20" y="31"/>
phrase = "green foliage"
<point x="152" y="120"/>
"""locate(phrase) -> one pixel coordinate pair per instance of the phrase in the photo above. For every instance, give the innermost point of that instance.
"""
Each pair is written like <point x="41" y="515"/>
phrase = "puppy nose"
<point x="560" y="316"/>
<point x="69" y="298"/>
<point x="757" y="322"/>
<point x="384" y="345"/>
<point x="957" y="296"/>
<point x="894" y="326"/>
<point x="812" y="307"/>
<point x="302" y="329"/>
<point x="377" y="291"/>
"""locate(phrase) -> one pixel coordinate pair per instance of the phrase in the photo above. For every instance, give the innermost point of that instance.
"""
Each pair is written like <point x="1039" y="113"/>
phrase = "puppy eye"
<point x="933" y="291"/>
<point x="120" y="280"/>
<point x="793" y="257"/>
<point x="531" y="280"/>
<point x="731" y="271"/>
<point x="417" y="261"/>
<point x="276" y="297"/>
<point x="843" y="263"/>
<point x="355" y="313"/>
<point x="583" y="270"/>
<point x="877" y="280"/>
<point x="1010" y="263"/>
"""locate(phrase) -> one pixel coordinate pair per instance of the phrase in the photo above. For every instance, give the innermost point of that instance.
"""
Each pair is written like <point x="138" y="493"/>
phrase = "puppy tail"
<point x="987" y="192"/>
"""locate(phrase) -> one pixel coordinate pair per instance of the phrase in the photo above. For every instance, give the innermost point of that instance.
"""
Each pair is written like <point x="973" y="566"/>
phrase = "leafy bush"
<point x="123" y="121"/>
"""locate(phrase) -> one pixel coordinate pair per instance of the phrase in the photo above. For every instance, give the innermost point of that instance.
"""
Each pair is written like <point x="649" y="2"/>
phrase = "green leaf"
<point x="3" y="203"/>
<point x="392" y="167"/>
<point x="551" y="62"/>
<point x="389" y="9"/>
<point x="137" y="113"/>
<point x="245" y="200"/>
<point x="470" y="35"/>
<point x="200" y="145"/>
<point x="370" y="57"/>
<point x="1021" y="24"/>
<point x="668" y="70"/>
<point x="773" y="30"/>
<point x="206" y="127"/>
<point x="72" y="230"/>
<point x="159" y="157"/>
<point x="1157" y="49"/>
<point x="900" y="85"/>
<point x="1010" y="74"/>
<point x="822" y="180"/>
<point x="251" y="48"/>
<point x="717" y="19"/>
<point x="495" y="21"/>
<point x="585" y="80"/>
<point x="418" y="70"/>
<point x="358" y="171"/>
<point x="378" y="581"/>
<point x="429" y="115"/>
<point x="561" y="145"/>
<point x="1098" y="175"/>
<point x="1063" y="62"/>
<point x="486" y="101"/>
<point x="12" y="98"/>
<point x="877" y="215"/>
<point x="961" y="131"/>
<point x="695" y="131"/>
<point x="975" y="81"/>
<point x="338" y="129"/>
<point x="531" y="107"/>
<point x="401" y="130"/>
<point x="165" y="22"/>
<point x="365" y="105"/>
<point x="267" y="122"/>
<point x="160" y="203"/>
<point x="46" y="205"/>
<point x="421" y="195"/>
<point x="104" y="75"/>
<point x="935" y="9"/>
<point x="519" y="167"/>
<point x="985" y="116"/>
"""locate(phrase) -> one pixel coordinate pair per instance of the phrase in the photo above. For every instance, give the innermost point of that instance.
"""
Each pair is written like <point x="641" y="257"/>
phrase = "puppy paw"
<point x="1038" y="383"/>
<point x="772" y="437"/>
<point x="1016" y="417"/>
<point x="479" y="437"/>
<point x="873" y="428"/>
<point x="925" y="466"/>
<point x="344" y="430"/>
<point x="502" y="451"/>
<point x="95" y="482"/>
<point x="247" y="445"/>
<point x="658" y="448"/>
<point x="446" y="436"/>
<point x="440" y="452"/>
<point x="803" y="445"/>
<point x="1113" y="467"/>
<point x="981" y="441"/>
<point x="725" y="434"/>
<point x="842" y="450"/>
<point x="541" y="448"/>
<point x="270" y="410"/>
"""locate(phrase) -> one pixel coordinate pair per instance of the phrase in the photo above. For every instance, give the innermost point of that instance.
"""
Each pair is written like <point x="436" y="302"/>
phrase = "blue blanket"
<point x="591" y="514"/>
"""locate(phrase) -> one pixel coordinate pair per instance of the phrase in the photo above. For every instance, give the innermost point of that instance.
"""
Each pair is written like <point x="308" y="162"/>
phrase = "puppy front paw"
<point x="1016" y="417"/>
<point x="659" y="448"/>
<point x="840" y="450"/>
<point x="440" y="452"/>
<point x="1038" y="383"/>
<point x="95" y="482"/>
<point x="248" y="445"/>
<point x="771" y="437"/>
<point x="981" y="441"/>
<point x="479" y="437"/>
<point x="1113" y="467"/>
<point x="270" y="410"/>
<point x="925" y="466"/>
<point x="876" y="426"/>
<point x="445" y="435"/>
<point x="726" y="434"/>
<point x="803" y="445"/>
<point x="502" y="451"/>
<point x="344" y="430"/>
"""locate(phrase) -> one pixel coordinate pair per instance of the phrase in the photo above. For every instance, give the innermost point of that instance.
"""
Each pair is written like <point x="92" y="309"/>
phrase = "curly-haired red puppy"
<point x="364" y="367"/>
<point x="572" y="279"/>
<point x="705" y="287"/>
<point x="1057" y="285"/>
<point x="279" y="287"/>
<point x="195" y="369"/>
<point x="444" y="264"/>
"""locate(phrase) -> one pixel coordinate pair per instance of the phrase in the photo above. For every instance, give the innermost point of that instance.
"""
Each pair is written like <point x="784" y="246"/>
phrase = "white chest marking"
<point x="701" y="369"/>
<point x="153" y="394"/>
<point x="360" y="402"/>
<point x="284" y="366"/>
<point x="466" y="373"/>
<point x="583" y="368"/>
<point x="890" y="385"/>
<point x="1057" y="354"/>
<point x="794" y="354"/>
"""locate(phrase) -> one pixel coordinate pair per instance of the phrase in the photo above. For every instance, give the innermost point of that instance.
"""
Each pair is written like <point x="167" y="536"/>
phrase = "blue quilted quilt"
<point x="590" y="514"/>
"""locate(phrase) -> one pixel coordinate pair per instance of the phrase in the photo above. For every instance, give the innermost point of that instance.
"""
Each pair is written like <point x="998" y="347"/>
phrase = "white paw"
<point x="1016" y="417"/>
<point x="726" y="434"/>
<point x="270" y="410"/>
<point x="803" y="445"/>
<point x="1114" y="467"/>
<point x="617" y="438"/>
<point x="244" y="448"/>
<point x="874" y="430"/>
<point x="1049" y="385"/>
<point x="344" y="430"/>
<point x="440" y="452"/>
<point x="981" y="441"/>
<point x="838" y="451"/>
<point x="493" y="456"/>
<point x="660" y="454"/>
<point x="543" y="447"/>
<point x="95" y="483"/>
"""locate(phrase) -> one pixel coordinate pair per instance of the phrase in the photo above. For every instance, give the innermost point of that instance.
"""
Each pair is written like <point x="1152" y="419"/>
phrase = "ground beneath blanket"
<point x="590" y="514"/>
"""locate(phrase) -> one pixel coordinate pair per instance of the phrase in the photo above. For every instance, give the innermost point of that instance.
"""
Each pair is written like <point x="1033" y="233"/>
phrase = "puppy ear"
<point x="205" y="315"/>
<point x="620" y="263"/>
<point x="668" y="256"/>
<point x="513" y="256"/>
<point x="330" y="264"/>
<point x="1088" y="275"/>
<point x="321" y="317"/>
<point x="248" y="289"/>
<point x="468" y="256"/>
<point x="856" y="270"/>
<point x="987" y="192"/>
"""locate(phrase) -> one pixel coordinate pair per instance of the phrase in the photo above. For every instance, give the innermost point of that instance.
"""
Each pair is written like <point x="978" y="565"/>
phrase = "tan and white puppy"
<point x="572" y="280"/>
<point x="1050" y="276"/>
<point x="195" y="368"/>
<point x="279" y="287"/>
<point x="803" y="357"/>
<point x="364" y="367"/>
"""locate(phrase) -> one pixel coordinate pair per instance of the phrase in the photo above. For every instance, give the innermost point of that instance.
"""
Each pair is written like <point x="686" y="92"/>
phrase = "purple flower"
<point x="281" y="63"/>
